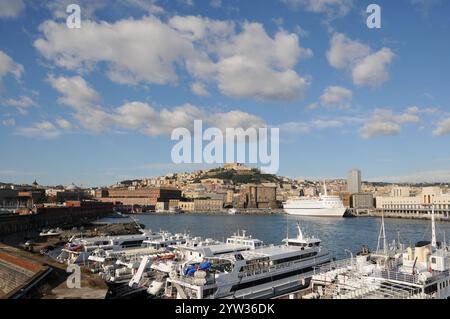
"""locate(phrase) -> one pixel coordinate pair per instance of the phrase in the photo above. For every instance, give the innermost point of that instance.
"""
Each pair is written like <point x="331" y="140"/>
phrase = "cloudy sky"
<point x="98" y="104"/>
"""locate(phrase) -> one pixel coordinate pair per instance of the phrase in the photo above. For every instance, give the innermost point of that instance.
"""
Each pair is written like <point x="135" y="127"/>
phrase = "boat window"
<point x="294" y="244"/>
<point x="239" y="257"/>
<point x="132" y="243"/>
<point x="294" y="258"/>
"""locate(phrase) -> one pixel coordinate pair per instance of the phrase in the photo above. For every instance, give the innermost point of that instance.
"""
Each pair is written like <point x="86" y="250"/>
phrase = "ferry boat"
<point x="144" y="274"/>
<point x="78" y="250"/>
<point x="391" y="272"/>
<point x="50" y="233"/>
<point x="263" y="272"/>
<point x="322" y="206"/>
<point x="153" y="270"/>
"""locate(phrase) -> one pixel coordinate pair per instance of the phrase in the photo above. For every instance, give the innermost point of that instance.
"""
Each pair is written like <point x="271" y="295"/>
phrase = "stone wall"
<point x="53" y="217"/>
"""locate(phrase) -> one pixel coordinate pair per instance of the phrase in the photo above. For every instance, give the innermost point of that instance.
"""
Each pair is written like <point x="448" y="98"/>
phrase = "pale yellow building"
<point x="208" y="205"/>
<point x="418" y="204"/>
<point x="187" y="207"/>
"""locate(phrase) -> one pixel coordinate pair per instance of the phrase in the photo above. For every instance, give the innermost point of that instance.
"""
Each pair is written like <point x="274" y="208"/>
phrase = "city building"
<point x="236" y="167"/>
<point x="162" y="206"/>
<point x="146" y="196"/>
<point x="310" y="191"/>
<point x="345" y="197"/>
<point x="401" y="192"/>
<point x="354" y="181"/>
<point x="258" y="196"/>
<point x="208" y="205"/>
<point x="415" y="205"/>
<point x="72" y="195"/>
<point x="362" y="201"/>
<point x="187" y="207"/>
<point x="230" y="196"/>
<point x="13" y="199"/>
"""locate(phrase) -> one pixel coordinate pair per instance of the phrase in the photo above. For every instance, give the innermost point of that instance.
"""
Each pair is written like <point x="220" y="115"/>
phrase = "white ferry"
<point x="264" y="272"/>
<point x="78" y="250"/>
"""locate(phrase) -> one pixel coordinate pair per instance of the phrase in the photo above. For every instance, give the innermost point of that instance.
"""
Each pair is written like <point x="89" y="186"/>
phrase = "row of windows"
<point x="418" y="212"/>
<point x="294" y="258"/>
<point x="410" y="206"/>
<point x="270" y="279"/>
<point x="444" y="284"/>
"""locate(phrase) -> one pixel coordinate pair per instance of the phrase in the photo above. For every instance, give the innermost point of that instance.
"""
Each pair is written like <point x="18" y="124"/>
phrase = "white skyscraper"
<point x="354" y="181"/>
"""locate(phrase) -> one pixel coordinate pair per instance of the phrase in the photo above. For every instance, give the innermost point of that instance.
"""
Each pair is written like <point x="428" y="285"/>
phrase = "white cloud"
<point x="9" y="122"/>
<point x="443" y="127"/>
<point x="433" y="176"/>
<point x="367" y="68"/>
<point x="372" y="70"/>
<point x="64" y="124"/>
<point x="301" y="32"/>
<point x="385" y="122"/>
<point x="243" y="77"/>
<point x="75" y="91"/>
<point x="139" y="116"/>
<point x="8" y="66"/>
<point x="89" y="8"/>
<point x="344" y="52"/>
<point x="336" y="97"/>
<point x="45" y="130"/>
<point x="149" y="6"/>
<point x="425" y="6"/>
<point x="11" y="8"/>
<point x="22" y="104"/>
<point x="199" y="89"/>
<point x="149" y="121"/>
<point x="330" y="7"/>
<point x="236" y="119"/>
<point x="243" y="62"/>
<point x="426" y="110"/>
<point x="215" y="3"/>
<point x="128" y="46"/>
<point x="187" y="2"/>
<point x="255" y="65"/>
<point x="305" y="127"/>
<point x="83" y="99"/>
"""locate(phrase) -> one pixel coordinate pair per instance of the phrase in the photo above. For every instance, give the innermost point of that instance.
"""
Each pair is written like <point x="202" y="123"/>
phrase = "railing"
<point x="344" y="263"/>
<point x="396" y="276"/>
<point x="439" y="274"/>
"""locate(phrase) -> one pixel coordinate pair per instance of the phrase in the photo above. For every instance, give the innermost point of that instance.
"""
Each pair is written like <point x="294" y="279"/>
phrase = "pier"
<point x="423" y="215"/>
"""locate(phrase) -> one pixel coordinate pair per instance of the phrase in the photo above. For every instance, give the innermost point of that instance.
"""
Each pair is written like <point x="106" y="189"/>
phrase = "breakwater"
<point x="61" y="216"/>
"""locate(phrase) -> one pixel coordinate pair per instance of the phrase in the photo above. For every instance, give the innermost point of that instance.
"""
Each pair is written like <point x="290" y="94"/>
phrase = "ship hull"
<point x="320" y="212"/>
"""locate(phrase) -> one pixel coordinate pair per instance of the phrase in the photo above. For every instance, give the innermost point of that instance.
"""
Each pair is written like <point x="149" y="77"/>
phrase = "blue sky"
<point x="96" y="105"/>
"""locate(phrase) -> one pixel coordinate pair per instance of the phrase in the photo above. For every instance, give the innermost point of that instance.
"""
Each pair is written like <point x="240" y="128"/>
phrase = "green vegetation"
<point x="240" y="177"/>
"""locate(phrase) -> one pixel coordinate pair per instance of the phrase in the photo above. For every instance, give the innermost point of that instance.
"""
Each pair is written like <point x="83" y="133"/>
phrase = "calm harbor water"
<point x="337" y="234"/>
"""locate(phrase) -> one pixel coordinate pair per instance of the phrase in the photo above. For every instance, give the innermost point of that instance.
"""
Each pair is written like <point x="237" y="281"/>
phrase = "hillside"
<point x="239" y="177"/>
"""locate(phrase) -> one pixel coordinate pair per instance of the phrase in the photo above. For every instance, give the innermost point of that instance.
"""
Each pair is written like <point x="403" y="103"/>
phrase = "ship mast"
<point x="325" y="188"/>
<point x="382" y="235"/>
<point x="300" y="233"/>
<point x="433" y="228"/>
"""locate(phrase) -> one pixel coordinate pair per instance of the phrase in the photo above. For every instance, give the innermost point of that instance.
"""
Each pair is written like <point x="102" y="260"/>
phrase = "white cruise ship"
<point x="324" y="205"/>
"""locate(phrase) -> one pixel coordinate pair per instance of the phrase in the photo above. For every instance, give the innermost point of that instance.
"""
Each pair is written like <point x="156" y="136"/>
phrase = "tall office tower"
<point x="354" y="181"/>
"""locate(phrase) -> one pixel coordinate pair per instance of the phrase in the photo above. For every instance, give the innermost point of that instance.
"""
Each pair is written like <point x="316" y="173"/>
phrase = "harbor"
<point x="148" y="256"/>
